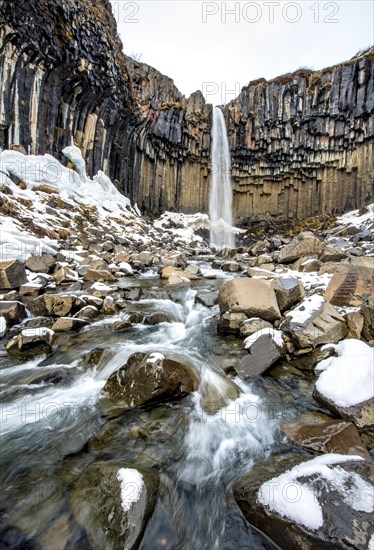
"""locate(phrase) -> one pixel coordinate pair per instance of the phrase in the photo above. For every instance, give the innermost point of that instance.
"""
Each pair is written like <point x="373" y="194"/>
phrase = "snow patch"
<point x="132" y="483"/>
<point x="299" y="500"/>
<point x="348" y="378"/>
<point x="276" y="335"/>
<point x="303" y="312"/>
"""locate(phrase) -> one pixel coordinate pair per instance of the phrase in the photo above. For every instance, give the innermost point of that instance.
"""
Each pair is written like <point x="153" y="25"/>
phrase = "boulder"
<point x="13" y="312"/>
<point x="30" y="288"/>
<point x="64" y="274"/>
<point x="169" y="271"/>
<point x="253" y="297"/>
<point x="98" y="275"/>
<point x="323" y="434"/>
<point x="305" y="244"/>
<point x="51" y="304"/>
<point x="87" y="313"/>
<point x="33" y="337"/>
<point x="207" y="298"/>
<point x="112" y="503"/>
<point x="109" y="306"/>
<point x="367" y="310"/>
<point x="231" y="266"/>
<point x="314" y="322"/>
<point x="230" y="323"/>
<point x="250" y="326"/>
<point x="346" y="382"/>
<point x="41" y="264"/>
<point x="332" y="254"/>
<point x="355" y="323"/>
<point x="178" y="280"/>
<point x="146" y="379"/>
<point x="310" y="504"/>
<point x="289" y="291"/>
<point x="264" y="348"/>
<point x="12" y="274"/>
<point x="31" y="341"/>
<point x="66" y="324"/>
<point x="350" y="286"/>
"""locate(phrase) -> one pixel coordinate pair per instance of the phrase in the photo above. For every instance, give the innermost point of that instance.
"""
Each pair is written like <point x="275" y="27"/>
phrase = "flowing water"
<point x="198" y="445"/>
<point x="220" y="198"/>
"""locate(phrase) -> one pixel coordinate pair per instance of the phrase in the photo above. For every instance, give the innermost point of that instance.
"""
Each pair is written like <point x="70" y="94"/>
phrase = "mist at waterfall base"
<point x="220" y="198"/>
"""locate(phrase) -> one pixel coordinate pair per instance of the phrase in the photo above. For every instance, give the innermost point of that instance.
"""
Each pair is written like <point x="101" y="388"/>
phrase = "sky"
<point x="218" y="47"/>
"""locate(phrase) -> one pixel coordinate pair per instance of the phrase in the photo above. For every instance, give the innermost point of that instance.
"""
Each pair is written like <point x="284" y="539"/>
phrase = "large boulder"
<point x="52" y="304"/>
<point x="289" y="291"/>
<point x="253" y="297"/>
<point x="146" y="379"/>
<point x="41" y="264"/>
<point x="349" y="286"/>
<point x="66" y="324"/>
<point x="98" y="275"/>
<point x="13" y="312"/>
<point x="31" y="341"/>
<point x="314" y="322"/>
<point x="264" y="348"/>
<point x="322" y="503"/>
<point x="323" y="434"/>
<point x="346" y="383"/>
<point x="112" y="503"/>
<point x="305" y="244"/>
<point x="12" y="274"/>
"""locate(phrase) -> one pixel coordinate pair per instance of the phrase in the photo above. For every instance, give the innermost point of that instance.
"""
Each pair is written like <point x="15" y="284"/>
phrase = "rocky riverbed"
<point x="157" y="393"/>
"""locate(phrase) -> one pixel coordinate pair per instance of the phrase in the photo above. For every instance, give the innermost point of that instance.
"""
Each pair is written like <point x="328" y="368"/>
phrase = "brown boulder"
<point x="12" y="274"/>
<point x="41" y="264"/>
<point x="13" y="312"/>
<point x="253" y="297"/>
<point x="146" y="379"/>
<point x="323" y="434"/>
<point x="305" y="244"/>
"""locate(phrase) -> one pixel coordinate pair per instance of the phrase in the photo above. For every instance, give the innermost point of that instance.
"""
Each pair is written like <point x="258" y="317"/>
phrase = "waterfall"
<point x="220" y="200"/>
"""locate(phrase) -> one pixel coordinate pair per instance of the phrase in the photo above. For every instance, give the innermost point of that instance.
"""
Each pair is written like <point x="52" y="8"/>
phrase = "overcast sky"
<point x="201" y="45"/>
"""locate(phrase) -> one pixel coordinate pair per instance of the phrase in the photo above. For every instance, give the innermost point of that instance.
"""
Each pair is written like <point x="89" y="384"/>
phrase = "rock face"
<point x="253" y="297"/>
<point x="300" y="141"/>
<point x="300" y="144"/>
<point x="146" y="379"/>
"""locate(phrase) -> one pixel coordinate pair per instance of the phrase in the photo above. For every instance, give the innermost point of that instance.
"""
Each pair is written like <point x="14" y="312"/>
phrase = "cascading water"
<point x="220" y="200"/>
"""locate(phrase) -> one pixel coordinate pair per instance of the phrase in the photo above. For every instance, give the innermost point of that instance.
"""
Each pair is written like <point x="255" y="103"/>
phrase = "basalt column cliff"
<point x="300" y="144"/>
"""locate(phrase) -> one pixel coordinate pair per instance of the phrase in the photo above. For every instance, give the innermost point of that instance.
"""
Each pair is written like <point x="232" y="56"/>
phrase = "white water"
<point x="220" y="199"/>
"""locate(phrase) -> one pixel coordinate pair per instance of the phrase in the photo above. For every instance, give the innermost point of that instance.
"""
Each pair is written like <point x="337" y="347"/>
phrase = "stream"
<point x="52" y="428"/>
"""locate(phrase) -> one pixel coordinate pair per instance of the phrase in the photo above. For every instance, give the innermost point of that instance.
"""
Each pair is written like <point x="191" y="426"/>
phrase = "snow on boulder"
<point x="74" y="154"/>
<point x="325" y="502"/>
<point x="314" y="322"/>
<point x="113" y="503"/>
<point x="346" y="383"/>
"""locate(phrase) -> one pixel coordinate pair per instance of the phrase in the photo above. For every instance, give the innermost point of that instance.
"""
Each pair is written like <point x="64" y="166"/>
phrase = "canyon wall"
<point x="301" y="144"/>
